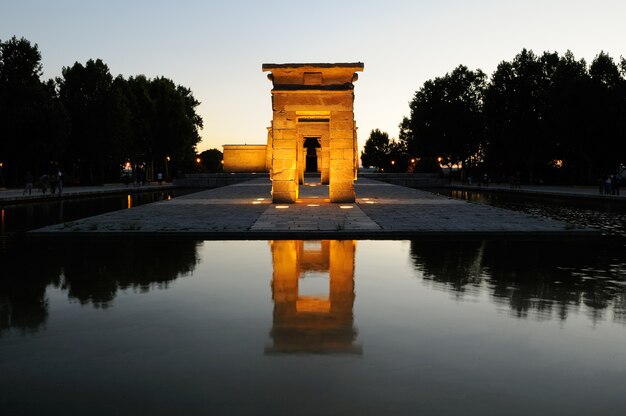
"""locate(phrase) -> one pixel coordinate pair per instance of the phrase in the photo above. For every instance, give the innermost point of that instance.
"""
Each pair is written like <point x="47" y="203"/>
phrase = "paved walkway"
<point x="584" y="192"/>
<point x="245" y="211"/>
<point x="17" y="196"/>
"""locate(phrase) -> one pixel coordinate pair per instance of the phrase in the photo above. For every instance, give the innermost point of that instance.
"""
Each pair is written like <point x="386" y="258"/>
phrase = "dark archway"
<point x="311" y="144"/>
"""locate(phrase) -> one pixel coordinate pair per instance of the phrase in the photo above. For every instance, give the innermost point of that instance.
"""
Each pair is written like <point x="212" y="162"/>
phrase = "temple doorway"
<point x="312" y="144"/>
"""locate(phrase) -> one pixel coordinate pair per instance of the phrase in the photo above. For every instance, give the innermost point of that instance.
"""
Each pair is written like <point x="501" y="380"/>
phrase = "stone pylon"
<point x="313" y="101"/>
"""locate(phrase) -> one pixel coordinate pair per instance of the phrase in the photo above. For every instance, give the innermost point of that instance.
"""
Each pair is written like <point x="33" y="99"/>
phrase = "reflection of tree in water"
<point x="98" y="271"/>
<point x="24" y="276"/>
<point x="545" y="278"/>
<point x="90" y="272"/>
<point x="454" y="264"/>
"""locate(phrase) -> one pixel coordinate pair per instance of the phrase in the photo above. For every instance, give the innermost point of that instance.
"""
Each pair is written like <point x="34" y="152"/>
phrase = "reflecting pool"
<point x="145" y="326"/>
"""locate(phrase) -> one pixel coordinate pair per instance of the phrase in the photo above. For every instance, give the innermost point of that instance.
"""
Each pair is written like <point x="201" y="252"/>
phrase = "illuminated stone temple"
<point x="306" y="322"/>
<point x="312" y="130"/>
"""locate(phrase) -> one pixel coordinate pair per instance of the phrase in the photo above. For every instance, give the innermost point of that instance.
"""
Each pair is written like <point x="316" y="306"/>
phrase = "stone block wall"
<point x="313" y="100"/>
<point x="245" y="158"/>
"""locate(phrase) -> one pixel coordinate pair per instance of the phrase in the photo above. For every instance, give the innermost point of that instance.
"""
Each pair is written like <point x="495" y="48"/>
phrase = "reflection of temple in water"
<point x="314" y="323"/>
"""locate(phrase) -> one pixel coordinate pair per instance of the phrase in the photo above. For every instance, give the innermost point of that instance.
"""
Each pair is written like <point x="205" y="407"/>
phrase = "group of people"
<point x="610" y="185"/>
<point x="52" y="181"/>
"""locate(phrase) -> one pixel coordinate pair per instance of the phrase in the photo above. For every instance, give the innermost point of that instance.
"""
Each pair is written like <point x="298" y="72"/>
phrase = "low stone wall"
<point x="245" y="158"/>
<point x="215" y="180"/>
<point x="410" y="180"/>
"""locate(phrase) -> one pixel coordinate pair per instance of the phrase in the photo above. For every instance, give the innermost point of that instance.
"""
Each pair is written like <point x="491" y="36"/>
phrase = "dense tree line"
<point x="89" y="123"/>
<point x="542" y="118"/>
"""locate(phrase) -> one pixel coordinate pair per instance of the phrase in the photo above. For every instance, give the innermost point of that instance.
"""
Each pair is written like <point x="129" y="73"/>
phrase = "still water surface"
<point x="313" y="327"/>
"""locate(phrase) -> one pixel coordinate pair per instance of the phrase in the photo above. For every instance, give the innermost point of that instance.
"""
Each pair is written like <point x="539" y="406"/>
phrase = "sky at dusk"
<point x="216" y="48"/>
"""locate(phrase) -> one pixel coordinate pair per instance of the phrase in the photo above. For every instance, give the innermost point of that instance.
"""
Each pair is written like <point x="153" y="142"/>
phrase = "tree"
<point x="388" y="155"/>
<point x="211" y="160"/>
<point x="446" y="118"/>
<point x="33" y="123"/>
<point x="87" y="122"/>
<point x="174" y="124"/>
<point x="515" y="110"/>
<point x="86" y="93"/>
<point x="567" y="116"/>
<point x="606" y="103"/>
<point x="147" y="121"/>
<point x="376" y="150"/>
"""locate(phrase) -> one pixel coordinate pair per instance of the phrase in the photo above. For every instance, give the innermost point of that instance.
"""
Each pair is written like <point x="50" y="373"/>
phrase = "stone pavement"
<point x="9" y="196"/>
<point x="581" y="192"/>
<point x="245" y="211"/>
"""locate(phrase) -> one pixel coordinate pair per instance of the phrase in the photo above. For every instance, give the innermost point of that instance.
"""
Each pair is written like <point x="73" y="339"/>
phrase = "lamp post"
<point x="167" y="169"/>
<point x="1" y="175"/>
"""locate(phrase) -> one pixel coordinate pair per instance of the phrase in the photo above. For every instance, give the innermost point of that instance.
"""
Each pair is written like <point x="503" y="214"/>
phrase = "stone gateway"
<point x="312" y="130"/>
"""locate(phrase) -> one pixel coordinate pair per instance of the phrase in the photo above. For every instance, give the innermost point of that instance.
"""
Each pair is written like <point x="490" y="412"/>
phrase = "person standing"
<point x="43" y="183"/>
<point x="607" y="185"/>
<point x="617" y="178"/>
<point x="28" y="183"/>
<point x="60" y="181"/>
<point x="52" y="182"/>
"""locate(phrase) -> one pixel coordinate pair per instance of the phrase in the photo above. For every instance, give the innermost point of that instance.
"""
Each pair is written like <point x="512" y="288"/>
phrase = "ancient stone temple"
<point x="313" y="123"/>
<point x="312" y="130"/>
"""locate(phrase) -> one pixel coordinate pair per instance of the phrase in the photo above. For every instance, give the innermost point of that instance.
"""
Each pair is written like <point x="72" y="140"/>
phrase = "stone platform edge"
<point x="95" y="193"/>
<point x="330" y="235"/>
<point x="561" y="195"/>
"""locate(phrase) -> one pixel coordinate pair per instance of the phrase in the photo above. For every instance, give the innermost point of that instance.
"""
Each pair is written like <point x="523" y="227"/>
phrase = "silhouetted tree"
<point x="567" y="115"/>
<point x="606" y="103"/>
<point x="87" y="94"/>
<point x="144" y="120"/>
<point x="515" y="110"/>
<point x="33" y="123"/>
<point x="384" y="153"/>
<point x="446" y="118"/>
<point x="211" y="160"/>
<point x="174" y="124"/>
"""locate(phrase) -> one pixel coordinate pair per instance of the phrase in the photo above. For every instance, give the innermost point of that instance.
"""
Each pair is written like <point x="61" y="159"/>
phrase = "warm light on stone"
<point x="312" y="104"/>
<point x="244" y="158"/>
<point x="312" y="129"/>
<point x="312" y="323"/>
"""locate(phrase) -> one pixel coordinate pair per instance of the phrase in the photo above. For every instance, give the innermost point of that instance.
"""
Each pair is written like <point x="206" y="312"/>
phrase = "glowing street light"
<point x="167" y="168"/>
